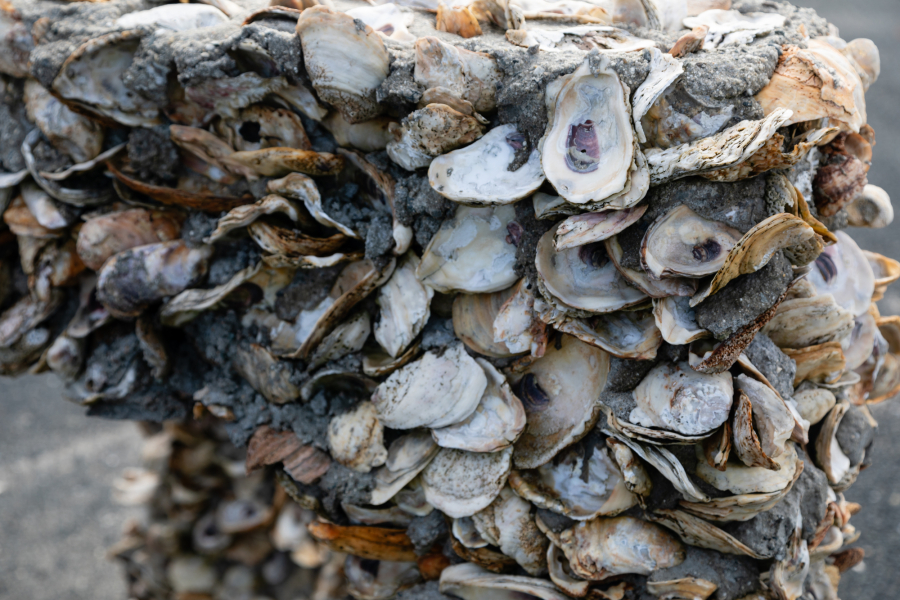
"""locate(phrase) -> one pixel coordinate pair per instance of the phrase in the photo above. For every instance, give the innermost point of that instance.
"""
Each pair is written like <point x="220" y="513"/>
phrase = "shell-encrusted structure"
<point x="482" y="299"/>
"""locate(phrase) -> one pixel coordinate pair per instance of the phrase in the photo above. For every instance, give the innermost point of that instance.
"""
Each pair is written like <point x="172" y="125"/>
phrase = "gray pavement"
<point x="56" y="466"/>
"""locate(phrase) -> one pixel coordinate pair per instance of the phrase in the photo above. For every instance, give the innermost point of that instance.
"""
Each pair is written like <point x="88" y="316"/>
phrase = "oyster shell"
<point x="471" y="252"/>
<point x="681" y="243"/>
<point x="461" y="483"/>
<point x="560" y="393"/>
<point x="471" y="582"/>
<point x="133" y="279"/>
<point x="407" y="456"/>
<point x="496" y="424"/>
<point x="71" y="133"/>
<point x="429" y="132"/>
<point x="346" y="63"/>
<point x="508" y="524"/>
<point x="740" y="479"/>
<point x="675" y="397"/>
<point x="582" y="278"/>
<point x="470" y="76"/>
<point x="582" y="482"/>
<point x="587" y="228"/>
<point x="730" y="27"/>
<point x="806" y="322"/>
<point x="516" y="324"/>
<point x="404" y="304"/>
<point x="676" y="320"/>
<point x="642" y="280"/>
<point x="388" y="19"/>
<point x="626" y="334"/>
<point x="843" y="271"/>
<point x="435" y="391"/>
<point x="600" y="548"/>
<point x="479" y="174"/>
<point x="107" y="234"/>
<point x="665" y="69"/>
<point x="356" y="438"/>
<point x="589" y="148"/>
<point x="697" y="532"/>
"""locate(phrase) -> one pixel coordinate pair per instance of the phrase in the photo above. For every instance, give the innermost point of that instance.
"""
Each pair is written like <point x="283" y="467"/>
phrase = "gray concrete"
<point x="56" y="466"/>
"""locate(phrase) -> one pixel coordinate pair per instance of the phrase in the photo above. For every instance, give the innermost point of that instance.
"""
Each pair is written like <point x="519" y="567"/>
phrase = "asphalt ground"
<point x="57" y="516"/>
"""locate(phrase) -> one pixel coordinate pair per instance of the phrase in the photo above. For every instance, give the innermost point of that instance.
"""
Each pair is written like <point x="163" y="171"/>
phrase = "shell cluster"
<point x="512" y="298"/>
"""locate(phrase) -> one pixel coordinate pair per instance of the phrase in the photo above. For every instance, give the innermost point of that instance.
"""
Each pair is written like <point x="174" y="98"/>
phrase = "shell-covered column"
<point x="470" y="299"/>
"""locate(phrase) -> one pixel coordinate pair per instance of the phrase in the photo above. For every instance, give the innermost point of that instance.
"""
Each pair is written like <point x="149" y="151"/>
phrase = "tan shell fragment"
<point x="815" y="83"/>
<point x="756" y="248"/>
<point x="277" y="128"/>
<point x="687" y="588"/>
<point x="106" y="235"/>
<point x="278" y="162"/>
<point x="822" y="363"/>
<point x="813" y="403"/>
<point x="368" y="136"/>
<point x="434" y="391"/>
<point x="829" y="455"/>
<point x="471" y="252"/>
<point x="265" y="374"/>
<point x="242" y="216"/>
<point x="726" y="149"/>
<point x="457" y="19"/>
<point x="407" y="456"/>
<point x="474" y="316"/>
<point x="603" y="547"/>
<point x="356" y="438"/>
<point x="405" y="307"/>
<point x="346" y="63"/>
<point x="681" y="243"/>
<point x="497" y="422"/>
<point x="805" y="322"/>
<point x="577" y="488"/>
<point x="560" y="393"/>
<point x="429" y="132"/>
<point x="347" y="338"/>
<point x="886" y="271"/>
<point x="461" y="483"/>
<point x="471" y="76"/>
<point x="298" y="186"/>
<point x="789" y="575"/>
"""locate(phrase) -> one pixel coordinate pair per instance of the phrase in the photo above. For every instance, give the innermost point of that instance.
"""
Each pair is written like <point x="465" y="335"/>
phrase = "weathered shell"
<point x="265" y="373"/>
<point x="675" y="397"/>
<point x="664" y="71"/>
<point x="681" y="243"/>
<point x="356" y="438"/>
<point x="697" y="532"/>
<point x="580" y="483"/>
<point x="368" y="136"/>
<point x="133" y="279"/>
<point x="829" y="455"/>
<point x="405" y="307"/>
<point x="471" y="76"/>
<point x="686" y="588"/>
<point x="298" y="186"/>
<point x="677" y="321"/>
<point x="77" y="136"/>
<point x="822" y="363"/>
<point x="278" y="162"/>
<point x="92" y="77"/>
<point x="730" y="27"/>
<point x="460" y="483"/>
<point x="589" y="147"/>
<point x="429" y="132"/>
<point x="346" y="63"/>
<point x="561" y="573"/>
<point x="560" y="393"/>
<point x="813" y="403"/>
<point x="772" y="420"/>
<point x="435" y="391"/>
<point x="583" y="278"/>
<point x="586" y="228"/>
<point x="387" y="19"/>
<point x="479" y="173"/>
<point x="516" y="324"/>
<point x="603" y="547"/>
<point x="809" y="321"/>
<point x="756" y="248"/>
<point x="407" y="456"/>
<point x="471" y="581"/>
<point x="109" y="234"/>
<point x="789" y="574"/>
<point x="387" y="579"/>
<point x="497" y="422"/>
<point x="509" y="525"/>
<point x="815" y="83"/>
<point x="626" y="334"/>
<point x="740" y="479"/>
<point x="886" y="271"/>
<point x="471" y="252"/>
<point x="726" y="149"/>
<point x="644" y="281"/>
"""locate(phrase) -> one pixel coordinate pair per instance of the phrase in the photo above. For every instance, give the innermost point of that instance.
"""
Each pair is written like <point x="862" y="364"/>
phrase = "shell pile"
<point x="514" y="299"/>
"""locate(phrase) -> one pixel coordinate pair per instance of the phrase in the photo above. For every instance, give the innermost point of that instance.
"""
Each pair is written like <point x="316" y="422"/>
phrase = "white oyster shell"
<point x="497" y="422"/>
<point x="677" y="321"/>
<point x="405" y="307"/>
<point x="843" y="271"/>
<point x="470" y="76"/>
<point x="675" y="397"/>
<point x="460" y="483"/>
<point x="407" y="456"/>
<point x="470" y="252"/>
<point x="740" y="479"/>
<point x="665" y="69"/>
<point x="470" y="582"/>
<point x="479" y="173"/>
<point x="589" y="147"/>
<point x="434" y="391"/>
<point x="509" y="525"/>
<point x="356" y="438"/>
